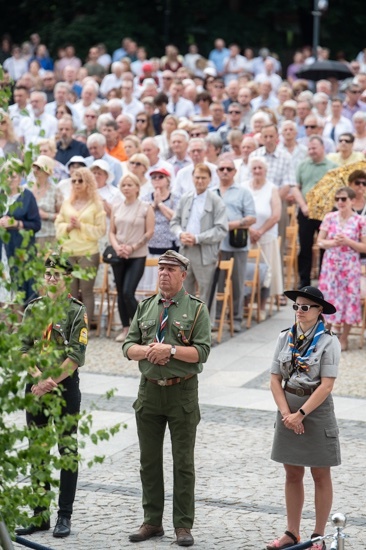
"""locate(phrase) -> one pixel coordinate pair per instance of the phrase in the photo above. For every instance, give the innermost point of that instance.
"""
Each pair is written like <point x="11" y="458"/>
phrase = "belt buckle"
<point x="300" y="392"/>
<point x="163" y="382"/>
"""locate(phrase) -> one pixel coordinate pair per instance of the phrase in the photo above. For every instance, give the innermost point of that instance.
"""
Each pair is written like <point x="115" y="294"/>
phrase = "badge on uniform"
<point x="83" y="337"/>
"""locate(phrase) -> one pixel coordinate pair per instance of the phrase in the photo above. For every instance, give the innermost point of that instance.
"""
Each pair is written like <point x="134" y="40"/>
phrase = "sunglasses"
<point x="344" y="140"/>
<point x="342" y="199"/>
<point x="310" y="127"/>
<point x="234" y="112"/>
<point x="304" y="308"/>
<point x="133" y="163"/>
<point x="158" y="177"/>
<point x="360" y="182"/>
<point x="141" y="120"/>
<point x="227" y="168"/>
<point x="74" y="182"/>
<point x="56" y="275"/>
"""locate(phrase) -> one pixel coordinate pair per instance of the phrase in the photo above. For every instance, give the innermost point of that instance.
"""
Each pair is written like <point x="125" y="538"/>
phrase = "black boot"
<point x="62" y="528"/>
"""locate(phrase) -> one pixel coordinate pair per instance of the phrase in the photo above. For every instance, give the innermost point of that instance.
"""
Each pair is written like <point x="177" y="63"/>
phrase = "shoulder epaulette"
<point x="76" y="301"/>
<point x="195" y="298"/>
<point x="35" y="300"/>
<point x="285" y="329"/>
<point x="148" y="298"/>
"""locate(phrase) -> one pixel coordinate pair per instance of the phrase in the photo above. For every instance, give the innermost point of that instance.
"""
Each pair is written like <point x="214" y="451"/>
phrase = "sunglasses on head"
<point x="227" y="168"/>
<point x="343" y="199"/>
<point x="304" y="308"/>
<point x="360" y="182"/>
<point x="74" y="182"/>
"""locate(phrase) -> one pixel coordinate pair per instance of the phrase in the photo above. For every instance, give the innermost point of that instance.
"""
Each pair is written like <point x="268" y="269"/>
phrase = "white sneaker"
<point x="121" y="337"/>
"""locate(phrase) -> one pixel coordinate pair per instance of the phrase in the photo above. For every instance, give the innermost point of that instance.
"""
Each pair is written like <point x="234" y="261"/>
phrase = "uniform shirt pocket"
<point x="148" y="330"/>
<point x="181" y="330"/>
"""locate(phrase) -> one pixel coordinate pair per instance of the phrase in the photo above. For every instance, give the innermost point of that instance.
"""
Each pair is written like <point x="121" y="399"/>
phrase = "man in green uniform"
<point x="170" y="337"/>
<point x="65" y="340"/>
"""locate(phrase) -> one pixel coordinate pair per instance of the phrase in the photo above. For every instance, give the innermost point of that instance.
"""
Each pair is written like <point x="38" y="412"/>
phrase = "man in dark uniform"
<point x="65" y="340"/>
<point x="170" y="337"/>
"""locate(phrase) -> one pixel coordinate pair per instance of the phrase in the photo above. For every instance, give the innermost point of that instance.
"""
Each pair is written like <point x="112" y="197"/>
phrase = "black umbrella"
<point x="325" y="69"/>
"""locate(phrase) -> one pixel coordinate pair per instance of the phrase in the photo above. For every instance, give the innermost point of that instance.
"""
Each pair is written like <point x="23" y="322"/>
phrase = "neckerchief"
<point x="160" y="334"/>
<point x="299" y="360"/>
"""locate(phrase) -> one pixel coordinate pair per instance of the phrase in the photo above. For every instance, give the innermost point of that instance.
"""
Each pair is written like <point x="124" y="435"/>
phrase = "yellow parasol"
<point x="320" y="199"/>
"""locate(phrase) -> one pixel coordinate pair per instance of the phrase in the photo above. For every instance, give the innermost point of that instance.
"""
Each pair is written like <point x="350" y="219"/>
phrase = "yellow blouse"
<point x="79" y="242"/>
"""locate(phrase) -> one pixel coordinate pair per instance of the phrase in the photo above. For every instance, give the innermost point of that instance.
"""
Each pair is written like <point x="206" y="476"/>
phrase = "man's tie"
<point x="160" y="335"/>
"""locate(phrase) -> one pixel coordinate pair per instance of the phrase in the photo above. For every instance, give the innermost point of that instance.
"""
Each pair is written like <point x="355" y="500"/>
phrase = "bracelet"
<point x="302" y="412"/>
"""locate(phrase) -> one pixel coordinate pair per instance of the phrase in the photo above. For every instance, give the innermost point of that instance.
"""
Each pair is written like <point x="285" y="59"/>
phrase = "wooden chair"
<point x="226" y="297"/>
<point x="254" y="255"/>
<point x="292" y="214"/>
<point x="149" y="262"/>
<point x="103" y="292"/>
<point x="290" y="257"/>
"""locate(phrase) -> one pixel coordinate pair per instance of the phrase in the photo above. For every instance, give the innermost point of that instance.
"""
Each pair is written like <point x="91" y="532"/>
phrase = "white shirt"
<point x="242" y="171"/>
<point x="109" y="82"/>
<point x="184" y="179"/>
<point x="133" y="108"/>
<point x="33" y="128"/>
<point x="80" y="108"/>
<point x="273" y="78"/>
<point x="198" y="205"/>
<point x="17" y="115"/>
<point x="183" y="108"/>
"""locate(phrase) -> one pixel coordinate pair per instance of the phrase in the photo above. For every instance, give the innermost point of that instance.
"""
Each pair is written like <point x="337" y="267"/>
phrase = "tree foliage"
<point x="22" y="447"/>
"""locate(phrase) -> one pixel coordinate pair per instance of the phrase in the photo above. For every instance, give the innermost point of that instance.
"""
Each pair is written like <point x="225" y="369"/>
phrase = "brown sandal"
<point x="275" y="545"/>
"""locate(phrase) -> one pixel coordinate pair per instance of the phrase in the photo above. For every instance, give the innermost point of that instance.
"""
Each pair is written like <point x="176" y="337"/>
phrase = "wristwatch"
<point x="173" y="351"/>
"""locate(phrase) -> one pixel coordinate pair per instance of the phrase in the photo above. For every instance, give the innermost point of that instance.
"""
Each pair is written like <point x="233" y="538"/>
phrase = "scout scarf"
<point x="160" y="335"/>
<point x="299" y="361"/>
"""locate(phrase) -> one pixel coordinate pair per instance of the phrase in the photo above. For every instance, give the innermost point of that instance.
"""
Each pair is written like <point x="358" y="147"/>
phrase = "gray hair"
<point x="61" y="85"/>
<point x="102" y="119"/>
<point x="288" y="123"/>
<point x="320" y="96"/>
<point x="359" y="115"/>
<point x="96" y="138"/>
<point x="180" y="133"/>
<point x="214" y="139"/>
<point x="262" y="160"/>
<point x="259" y="116"/>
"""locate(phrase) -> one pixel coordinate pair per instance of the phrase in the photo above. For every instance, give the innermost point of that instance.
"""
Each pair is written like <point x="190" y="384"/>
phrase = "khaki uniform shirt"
<point x="188" y="325"/>
<point x="69" y="335"/>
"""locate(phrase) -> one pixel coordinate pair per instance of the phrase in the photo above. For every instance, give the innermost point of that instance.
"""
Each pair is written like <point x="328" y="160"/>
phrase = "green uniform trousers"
<point x="155" y="407"/>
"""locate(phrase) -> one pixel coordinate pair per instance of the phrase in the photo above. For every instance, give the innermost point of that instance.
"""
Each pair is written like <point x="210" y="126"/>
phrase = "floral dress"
<point x="340" y="273"/>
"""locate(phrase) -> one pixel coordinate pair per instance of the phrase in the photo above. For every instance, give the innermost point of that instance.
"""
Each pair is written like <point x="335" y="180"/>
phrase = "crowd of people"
<point x="182" y="153"/>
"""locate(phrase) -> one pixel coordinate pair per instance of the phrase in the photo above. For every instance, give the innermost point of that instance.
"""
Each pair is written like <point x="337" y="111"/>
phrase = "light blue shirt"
<point x="198" y="206"/>
<point x="218" y="57"/>
<point x="239" y="204"/>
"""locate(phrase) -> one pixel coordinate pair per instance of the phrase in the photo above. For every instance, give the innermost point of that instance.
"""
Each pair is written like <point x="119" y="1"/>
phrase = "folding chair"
<point x="292" y="214"/>
<point x="254" y="256"/>
<point x="226" y="297"/>
<point x="290" y="257"/>
<point x="103" y="292"/>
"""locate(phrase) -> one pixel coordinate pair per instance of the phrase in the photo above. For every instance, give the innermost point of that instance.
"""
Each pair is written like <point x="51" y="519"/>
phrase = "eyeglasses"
<point x="227" y="168"/>
<point x="134" y="163"/>
<point x="141" y="120"/>
<point x="75" y="182"/>
<point x="90" y="116"/>
<point x="342" y="199"/>
<point x="360" y="182"/>
<point x="311" y="127"/>
<point x="342" y="140"/>
<point x="234" y="112"/>
<point x="158" y="177"/>
<point x="55" y="274"/>
<point x="304" y="308"/>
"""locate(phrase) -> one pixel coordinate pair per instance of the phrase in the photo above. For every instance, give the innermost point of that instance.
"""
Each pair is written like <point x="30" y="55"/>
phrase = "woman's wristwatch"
<point x="302" y="412"/>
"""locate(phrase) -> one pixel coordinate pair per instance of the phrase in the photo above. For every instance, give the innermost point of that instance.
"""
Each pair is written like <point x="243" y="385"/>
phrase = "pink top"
<point x="130" y="224"/>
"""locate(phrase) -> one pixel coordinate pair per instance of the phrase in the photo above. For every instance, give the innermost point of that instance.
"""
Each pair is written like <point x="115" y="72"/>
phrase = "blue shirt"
<point x="218" y="57"/>
<point x="239" y="204"/>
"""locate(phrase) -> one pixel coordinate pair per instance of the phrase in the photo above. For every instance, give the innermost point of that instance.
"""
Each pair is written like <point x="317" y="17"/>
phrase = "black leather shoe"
<point x="62" y="528"/>
<point x="21" y="531"/>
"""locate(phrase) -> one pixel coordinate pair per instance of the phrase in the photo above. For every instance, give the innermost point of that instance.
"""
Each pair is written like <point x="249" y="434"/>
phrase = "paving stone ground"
<point x="239" y="490"/>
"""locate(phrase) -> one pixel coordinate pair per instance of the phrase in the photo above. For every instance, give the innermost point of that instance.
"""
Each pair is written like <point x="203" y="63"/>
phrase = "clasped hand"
<point x="187" y="239"/>
<point x="124" y="251"/>
<point x="158" y="354"/>
<point x="291" y="422"/>
<point x="43" y="386"/>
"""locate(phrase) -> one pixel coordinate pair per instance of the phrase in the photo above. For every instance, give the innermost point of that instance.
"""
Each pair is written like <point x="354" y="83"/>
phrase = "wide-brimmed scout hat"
<point x="170" y="257"/>
<point x="313" y="294"/>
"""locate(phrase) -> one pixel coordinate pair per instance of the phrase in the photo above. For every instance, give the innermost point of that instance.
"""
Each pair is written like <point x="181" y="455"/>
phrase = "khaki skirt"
<point x="318" y="447"/>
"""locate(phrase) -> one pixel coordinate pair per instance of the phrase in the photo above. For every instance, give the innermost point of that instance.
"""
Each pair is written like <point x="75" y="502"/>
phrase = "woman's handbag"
<point x="110" y="255"/>
<point x="238" y="238"/>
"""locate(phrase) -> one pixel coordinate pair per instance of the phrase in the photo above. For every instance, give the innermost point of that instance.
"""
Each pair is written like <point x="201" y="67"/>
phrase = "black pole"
<point x="316" y="28"/>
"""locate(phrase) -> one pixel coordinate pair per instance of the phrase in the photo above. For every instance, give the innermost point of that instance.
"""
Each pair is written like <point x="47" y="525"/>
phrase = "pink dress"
<point x="340" y="274"/>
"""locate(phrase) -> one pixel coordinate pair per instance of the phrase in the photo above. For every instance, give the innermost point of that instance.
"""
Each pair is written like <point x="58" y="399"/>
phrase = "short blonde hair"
<point x="140" y="157"/>
<point x="131" y="176"/>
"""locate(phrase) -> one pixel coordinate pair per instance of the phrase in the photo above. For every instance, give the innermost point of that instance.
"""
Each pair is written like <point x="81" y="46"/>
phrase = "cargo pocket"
<point x="192" y="413"/>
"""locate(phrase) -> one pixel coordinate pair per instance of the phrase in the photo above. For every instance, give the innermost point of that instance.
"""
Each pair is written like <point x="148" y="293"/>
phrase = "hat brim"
<point x="328" y="308"/>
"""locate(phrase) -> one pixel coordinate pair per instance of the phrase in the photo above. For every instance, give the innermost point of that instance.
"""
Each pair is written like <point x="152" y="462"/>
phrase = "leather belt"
<point x="169" y="381"/>
<point x="300" y="392"/>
